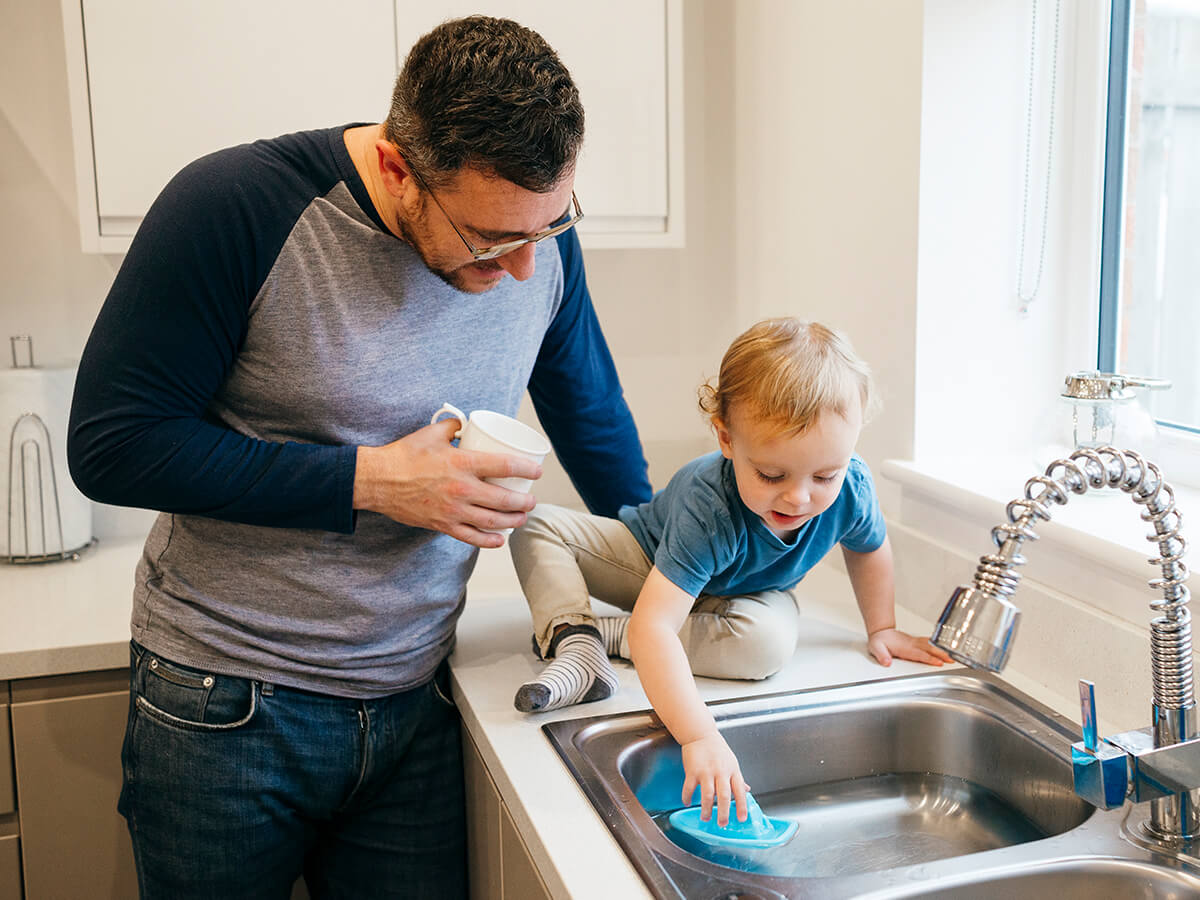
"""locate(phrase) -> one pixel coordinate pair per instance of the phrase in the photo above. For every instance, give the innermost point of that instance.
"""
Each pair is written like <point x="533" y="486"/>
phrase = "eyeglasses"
<point x="485" y="253"/>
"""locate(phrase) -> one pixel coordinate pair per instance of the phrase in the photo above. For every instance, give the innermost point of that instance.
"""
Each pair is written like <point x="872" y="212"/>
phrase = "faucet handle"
<point x="1101" y="770"/>
<point x="1087" y="707"/>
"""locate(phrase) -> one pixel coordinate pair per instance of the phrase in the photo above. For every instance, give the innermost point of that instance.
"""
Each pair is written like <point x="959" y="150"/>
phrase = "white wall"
<point x="986" y="374"/>
<point x="669" y="314"/>
<point x="828" y="101"/>
<point x="49" y="289"/>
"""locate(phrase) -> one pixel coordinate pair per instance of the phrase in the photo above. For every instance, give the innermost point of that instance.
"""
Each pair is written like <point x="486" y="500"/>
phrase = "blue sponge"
<point x="757" y="831"/>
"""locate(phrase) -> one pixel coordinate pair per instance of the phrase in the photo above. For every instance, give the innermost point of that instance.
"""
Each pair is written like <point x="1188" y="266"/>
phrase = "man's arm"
<point x="161" y="347"/>
<point x="579" y="401"/>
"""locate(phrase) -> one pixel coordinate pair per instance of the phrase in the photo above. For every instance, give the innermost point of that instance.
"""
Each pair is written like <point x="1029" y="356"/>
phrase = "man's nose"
<point x="519" y="264"/>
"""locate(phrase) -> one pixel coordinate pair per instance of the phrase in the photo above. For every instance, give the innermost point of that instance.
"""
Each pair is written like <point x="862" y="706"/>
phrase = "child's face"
<point x="788" y="479"/>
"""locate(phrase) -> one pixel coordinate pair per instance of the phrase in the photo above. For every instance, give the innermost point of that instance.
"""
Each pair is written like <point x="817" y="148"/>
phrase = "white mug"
<point x="493" y="432"/>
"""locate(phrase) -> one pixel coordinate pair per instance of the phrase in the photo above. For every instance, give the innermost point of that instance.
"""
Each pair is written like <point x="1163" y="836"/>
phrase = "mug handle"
<point x="454" y="411"/>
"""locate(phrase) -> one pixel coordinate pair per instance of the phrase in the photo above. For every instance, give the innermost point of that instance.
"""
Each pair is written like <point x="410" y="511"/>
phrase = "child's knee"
<point x="537" y="525"/>
<point x="753" y="646"/>
<point x="768" y="644"/>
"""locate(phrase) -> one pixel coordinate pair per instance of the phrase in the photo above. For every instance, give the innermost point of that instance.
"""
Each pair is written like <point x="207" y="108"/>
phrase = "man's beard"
<point x="453" y="277"/>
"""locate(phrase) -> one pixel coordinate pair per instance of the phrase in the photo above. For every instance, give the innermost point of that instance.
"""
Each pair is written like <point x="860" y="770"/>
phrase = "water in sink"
<point x="872" y="824"/>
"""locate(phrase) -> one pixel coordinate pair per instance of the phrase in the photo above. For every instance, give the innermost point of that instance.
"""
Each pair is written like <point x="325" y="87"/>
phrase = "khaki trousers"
<point x="564" y="557"/>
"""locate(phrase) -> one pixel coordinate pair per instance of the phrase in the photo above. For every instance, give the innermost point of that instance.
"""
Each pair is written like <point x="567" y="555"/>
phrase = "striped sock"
<point x="579" y="673"/>
<point x="612" y="632"/>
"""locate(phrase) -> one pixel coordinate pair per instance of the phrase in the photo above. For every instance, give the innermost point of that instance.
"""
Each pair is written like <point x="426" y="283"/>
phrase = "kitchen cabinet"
<point x="66" y="738"/>
<point x="10" y="866"/>
<point x="499" y="865"/>
<point x="155" y="85"/>
<point x="626" y="57"/>
<point x="8" y="802"/>
<point x="10" y="850"/>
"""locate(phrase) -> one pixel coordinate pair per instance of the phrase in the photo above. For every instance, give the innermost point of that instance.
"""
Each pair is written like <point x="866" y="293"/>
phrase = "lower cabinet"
<point x="8" y="800"/>
<point x="10" y="846"/>
<point x="66" y="741"/>
<point x="62" y="837"/>
<point x="498" y="863"/>
<point x="10" y="866"/>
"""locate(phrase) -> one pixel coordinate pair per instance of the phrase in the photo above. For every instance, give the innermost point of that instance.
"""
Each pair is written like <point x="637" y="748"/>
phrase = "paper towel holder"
<point x="29" y="446"/>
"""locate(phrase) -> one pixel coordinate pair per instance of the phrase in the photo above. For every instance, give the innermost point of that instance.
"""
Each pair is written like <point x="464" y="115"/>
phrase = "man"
<point x="287" y="319"/>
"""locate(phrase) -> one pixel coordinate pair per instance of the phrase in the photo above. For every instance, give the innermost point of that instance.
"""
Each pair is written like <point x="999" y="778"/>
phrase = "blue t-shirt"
<point x="704" y="540"/>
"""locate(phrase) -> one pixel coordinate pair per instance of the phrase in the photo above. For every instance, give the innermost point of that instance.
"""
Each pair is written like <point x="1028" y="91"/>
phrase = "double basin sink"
<point x="939" y="785"/>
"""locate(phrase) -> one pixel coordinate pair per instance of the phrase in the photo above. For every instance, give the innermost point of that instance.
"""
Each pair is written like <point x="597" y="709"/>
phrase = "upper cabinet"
<point x="155" y="85"/>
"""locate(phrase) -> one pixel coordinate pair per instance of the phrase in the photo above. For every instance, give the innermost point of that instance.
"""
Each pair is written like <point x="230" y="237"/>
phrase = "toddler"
<point x="706" y="565"/>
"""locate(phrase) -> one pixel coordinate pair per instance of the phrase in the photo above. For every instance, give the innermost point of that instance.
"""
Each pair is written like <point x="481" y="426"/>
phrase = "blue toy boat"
<point x="757" y="831"/>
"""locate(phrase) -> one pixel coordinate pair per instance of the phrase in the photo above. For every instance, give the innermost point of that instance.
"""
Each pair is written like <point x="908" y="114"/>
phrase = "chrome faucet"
<point x="1161" y="763"/>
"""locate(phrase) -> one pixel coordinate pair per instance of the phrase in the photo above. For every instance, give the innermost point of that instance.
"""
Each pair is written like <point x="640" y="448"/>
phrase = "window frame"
<point x="1112" y="229"/>
<point x="1176" y="436"/>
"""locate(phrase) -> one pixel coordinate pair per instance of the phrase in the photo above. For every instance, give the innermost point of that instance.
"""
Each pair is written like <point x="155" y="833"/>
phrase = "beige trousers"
<point x="564" y="557"/>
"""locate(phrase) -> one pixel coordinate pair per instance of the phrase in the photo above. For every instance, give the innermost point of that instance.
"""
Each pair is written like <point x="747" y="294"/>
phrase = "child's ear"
<point x="724" y="439"/>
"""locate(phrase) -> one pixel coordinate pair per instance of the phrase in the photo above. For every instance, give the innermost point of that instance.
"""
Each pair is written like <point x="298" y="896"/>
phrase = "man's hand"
<point x="425" y="481"/>
<point x="709" y="764"/>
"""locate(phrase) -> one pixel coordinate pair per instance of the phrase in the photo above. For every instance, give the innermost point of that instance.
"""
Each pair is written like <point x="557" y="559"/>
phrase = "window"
<point x="1150" y="269"/>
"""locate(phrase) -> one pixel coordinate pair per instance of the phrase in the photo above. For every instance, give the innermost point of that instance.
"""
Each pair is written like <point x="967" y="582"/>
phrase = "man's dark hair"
<point x="490" y="94"/>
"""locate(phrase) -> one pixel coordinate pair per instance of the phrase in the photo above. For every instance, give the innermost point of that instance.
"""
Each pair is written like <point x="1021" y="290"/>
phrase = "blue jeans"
<point x="235" y="788"/>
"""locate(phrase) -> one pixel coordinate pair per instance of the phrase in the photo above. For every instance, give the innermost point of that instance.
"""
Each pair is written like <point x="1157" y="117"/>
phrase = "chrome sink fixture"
<point x="1160" y="764"/>
<point x="943" y="784"/>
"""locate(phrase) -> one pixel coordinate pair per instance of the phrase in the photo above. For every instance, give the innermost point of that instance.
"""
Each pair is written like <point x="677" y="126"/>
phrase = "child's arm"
<point x="871" y="576"/>
<point x="666" y="676"/>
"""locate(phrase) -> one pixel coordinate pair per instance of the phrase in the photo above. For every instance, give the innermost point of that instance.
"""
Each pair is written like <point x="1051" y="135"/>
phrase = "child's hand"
<point x="891" y="642"/>
<point x="709" y="764"/>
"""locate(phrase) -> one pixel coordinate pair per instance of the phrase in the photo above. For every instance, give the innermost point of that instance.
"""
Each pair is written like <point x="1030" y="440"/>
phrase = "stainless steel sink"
<point x="946" y="784"/>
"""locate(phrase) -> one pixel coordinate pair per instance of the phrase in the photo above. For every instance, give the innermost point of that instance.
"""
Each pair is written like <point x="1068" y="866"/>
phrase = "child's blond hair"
<point x="787" y="372"/>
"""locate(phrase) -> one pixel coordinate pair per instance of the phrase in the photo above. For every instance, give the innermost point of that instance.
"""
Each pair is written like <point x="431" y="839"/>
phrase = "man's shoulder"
<point x="296" y="158"/>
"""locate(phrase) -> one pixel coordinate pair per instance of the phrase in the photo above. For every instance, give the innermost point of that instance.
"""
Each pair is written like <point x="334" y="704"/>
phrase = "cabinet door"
<point x="155" y="85"/>
<point x="10" y="867"/>
<point x="67" y="752"/>
<point x="7" y="799"/>
<point x="483" y="826"/>
<point x="520" y="874"/>
<point x="625" y="56"/>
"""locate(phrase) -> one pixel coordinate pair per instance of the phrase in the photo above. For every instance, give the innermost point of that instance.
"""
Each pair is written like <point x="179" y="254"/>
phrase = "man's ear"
<point x="394" y="170"/>
<point x="723" y="438"/>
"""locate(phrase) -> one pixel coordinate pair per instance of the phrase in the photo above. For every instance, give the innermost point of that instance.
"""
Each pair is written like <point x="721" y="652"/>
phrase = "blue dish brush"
<point x="757" y="831"/>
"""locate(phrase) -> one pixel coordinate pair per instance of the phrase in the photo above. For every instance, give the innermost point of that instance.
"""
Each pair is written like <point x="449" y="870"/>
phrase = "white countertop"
<point x="72" y="617"/>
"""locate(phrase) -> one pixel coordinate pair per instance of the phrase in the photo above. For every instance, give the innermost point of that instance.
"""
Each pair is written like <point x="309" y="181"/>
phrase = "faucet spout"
<point x="979" y="623"/>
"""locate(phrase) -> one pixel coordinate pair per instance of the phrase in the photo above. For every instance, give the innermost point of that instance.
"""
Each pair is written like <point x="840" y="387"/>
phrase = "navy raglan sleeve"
<point x="579" y="401"/>
<point x="165" y="339"/>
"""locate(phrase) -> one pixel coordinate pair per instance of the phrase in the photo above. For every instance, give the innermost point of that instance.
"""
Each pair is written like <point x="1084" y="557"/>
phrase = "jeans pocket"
<point x="191" y="698"/>
<point x="439" y="687"/>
